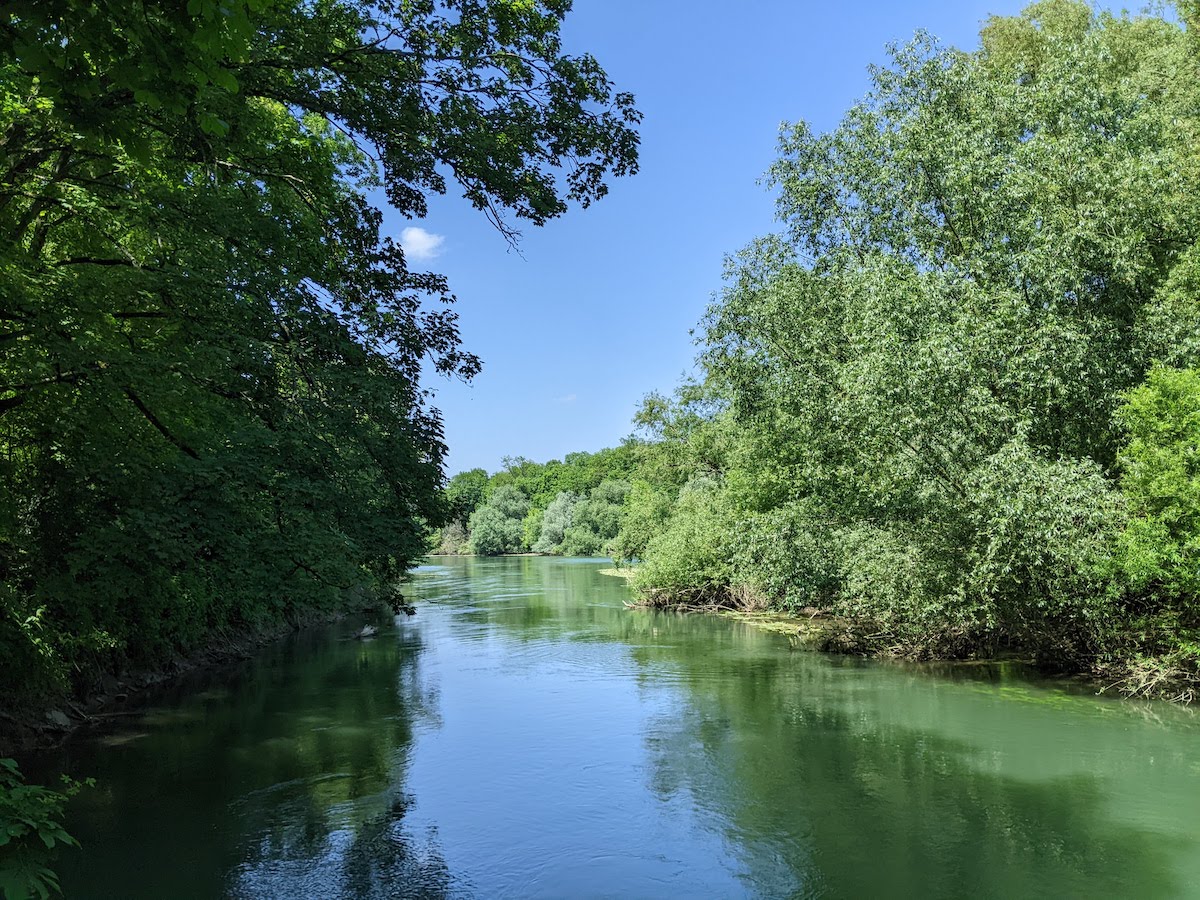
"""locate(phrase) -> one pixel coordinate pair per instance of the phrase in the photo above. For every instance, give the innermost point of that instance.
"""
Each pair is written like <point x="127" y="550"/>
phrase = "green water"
<point x="525" y="735"/>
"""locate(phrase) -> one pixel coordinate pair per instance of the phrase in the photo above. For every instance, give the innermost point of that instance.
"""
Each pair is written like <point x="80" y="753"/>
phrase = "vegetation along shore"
<point x="954" y="399"/>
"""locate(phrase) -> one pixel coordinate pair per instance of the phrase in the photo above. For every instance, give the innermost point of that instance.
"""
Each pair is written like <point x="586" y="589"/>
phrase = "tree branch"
<point x="158" y="425"/>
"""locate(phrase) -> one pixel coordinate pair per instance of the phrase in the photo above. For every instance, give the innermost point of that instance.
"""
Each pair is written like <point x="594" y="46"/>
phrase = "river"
<point x="525" y="735"/>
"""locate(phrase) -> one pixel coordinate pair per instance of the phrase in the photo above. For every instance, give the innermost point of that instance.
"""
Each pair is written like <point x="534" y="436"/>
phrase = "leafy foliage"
<point x="31" y="831"/>
<point x="555" y="522"/>
<point x="917" y="392"/>
<point x="645" y="513"/>
<point x="1158" y="554"/>
<point x="211" y="417"/>
<point x="465" y="492"/>
<point x="1160" y="479"/>
<point x="596" y="520"/>
<point x="690" y="561"/>
<point x="955" y="399"/>
<point x="571" y="506"/>
<point x="497" y="527"/>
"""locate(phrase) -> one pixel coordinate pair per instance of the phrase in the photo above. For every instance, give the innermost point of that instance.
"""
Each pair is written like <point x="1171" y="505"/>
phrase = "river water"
<point x="525" y="735"/>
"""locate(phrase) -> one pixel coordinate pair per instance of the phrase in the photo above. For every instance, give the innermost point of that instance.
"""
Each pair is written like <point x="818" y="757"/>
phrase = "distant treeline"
<point x="956" y="398"/>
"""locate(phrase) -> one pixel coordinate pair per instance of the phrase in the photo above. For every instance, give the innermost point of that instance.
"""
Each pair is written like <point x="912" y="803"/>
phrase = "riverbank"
<point x="47" y="724"/>
<point x="814" y="629"/>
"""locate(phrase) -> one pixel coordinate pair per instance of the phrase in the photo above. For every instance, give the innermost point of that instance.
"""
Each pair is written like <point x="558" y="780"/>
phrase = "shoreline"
<point x="821" y="632"/>
<point x="49" y="724"/>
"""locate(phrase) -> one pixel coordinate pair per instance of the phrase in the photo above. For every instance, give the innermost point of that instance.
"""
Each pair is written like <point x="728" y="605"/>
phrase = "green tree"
<point x="211" y="415"/>
<point x="498" y="526"/>
<point x="465" y="492"/>
<point x="555" y="522"/>
<point x="690" y="561"/>
<point x="646" y="511"/>
<point x="596" y="519"/>
<point x="1160" y="479"/>
<point x="915" y="386"/>
<point x="1158" y="555"/>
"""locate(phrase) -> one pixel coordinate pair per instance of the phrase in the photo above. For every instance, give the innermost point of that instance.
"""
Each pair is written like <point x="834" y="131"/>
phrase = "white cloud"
<point x="419" y="244"/>
<point x="569" y="398"/>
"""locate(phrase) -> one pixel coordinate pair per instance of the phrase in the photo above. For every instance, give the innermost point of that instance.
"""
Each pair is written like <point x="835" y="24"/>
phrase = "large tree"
<point x="922" y="372"/>
<point x="210" y="408"/>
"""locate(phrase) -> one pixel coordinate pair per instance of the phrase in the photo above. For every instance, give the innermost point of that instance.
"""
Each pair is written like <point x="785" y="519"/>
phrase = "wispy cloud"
<point x="419" y="244"/>
<point x="569" y="398"/>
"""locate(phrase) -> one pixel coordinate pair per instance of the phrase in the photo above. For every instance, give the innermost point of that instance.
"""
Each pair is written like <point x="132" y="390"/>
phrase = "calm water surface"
<point x="527" y="736"/>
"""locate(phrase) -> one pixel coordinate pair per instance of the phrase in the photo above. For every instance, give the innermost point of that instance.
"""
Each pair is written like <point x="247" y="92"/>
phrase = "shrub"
<point x="30" y="833"/>
<point x="691" y="560"/>
<point x="1160" y="479"/>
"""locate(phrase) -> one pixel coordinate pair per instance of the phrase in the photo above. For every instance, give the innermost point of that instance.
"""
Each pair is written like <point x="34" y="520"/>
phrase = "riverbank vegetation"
<point x="211" y="418"/>
<point x="32" y="818"/>
<point x="956" y="397"/>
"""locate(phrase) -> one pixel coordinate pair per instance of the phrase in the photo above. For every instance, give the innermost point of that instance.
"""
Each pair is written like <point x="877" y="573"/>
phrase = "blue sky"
<point x="597" y="308"/>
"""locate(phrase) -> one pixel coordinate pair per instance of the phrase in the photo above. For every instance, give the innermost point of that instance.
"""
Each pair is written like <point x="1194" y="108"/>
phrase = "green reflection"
<point x="845" y="777"/>
<point x="282" y="778"/>
<point x="527" y="735"/>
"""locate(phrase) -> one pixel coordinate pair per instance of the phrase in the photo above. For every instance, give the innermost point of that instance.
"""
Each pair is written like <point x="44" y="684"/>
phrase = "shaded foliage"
<point x="211" y="417"/>
<point x="31" y="831"/>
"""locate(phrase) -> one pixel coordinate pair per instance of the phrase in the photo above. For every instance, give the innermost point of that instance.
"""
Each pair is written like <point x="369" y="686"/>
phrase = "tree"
<point x="555" y="522"/>
<point x="465" y="492"/>
<point x="918" y="382"/>
<point x="595" y="520"/>
<point x="451" y="540"/>
<point x="497" y="526"/>
<point x="210" y="401"/>
<point x="646" y="511"/>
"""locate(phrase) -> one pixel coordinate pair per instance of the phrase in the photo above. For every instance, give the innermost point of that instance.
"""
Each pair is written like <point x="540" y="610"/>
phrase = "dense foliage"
<point x="210" y="411"/>
<point x="570" y="507"/>
<point x="31" y="832"/>
<point x="956" y="399"/>
<point x="933" y="395"/>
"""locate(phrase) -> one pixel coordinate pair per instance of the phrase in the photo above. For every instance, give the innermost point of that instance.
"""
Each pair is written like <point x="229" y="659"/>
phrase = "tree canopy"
<point x="952" y="401"/>
<point x="211" y="411"/>
<point x="921" y="392"/>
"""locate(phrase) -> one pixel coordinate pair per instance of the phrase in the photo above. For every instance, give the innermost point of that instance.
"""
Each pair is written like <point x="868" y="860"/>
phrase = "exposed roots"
<point x="707" y="598"/>
<point x="1171" y="677"/>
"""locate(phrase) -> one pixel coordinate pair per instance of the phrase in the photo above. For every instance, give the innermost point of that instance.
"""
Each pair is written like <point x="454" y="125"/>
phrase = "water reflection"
<point x="527" y="736"/>
<point x="283" y="778"/>
<point x="821" y="802"/>
<point x="845" y="777"/>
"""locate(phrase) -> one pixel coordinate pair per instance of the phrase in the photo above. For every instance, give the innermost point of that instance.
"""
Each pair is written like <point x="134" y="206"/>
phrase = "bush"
<point x="497" y="527"/>
<point x="789" y="557"/>
<point x="645" y="513"/>
<point x="691" y="560"/>
<point x="1160" y="479"/>
<point x="30" y="833"/>
<point x="1155" y="647"/>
